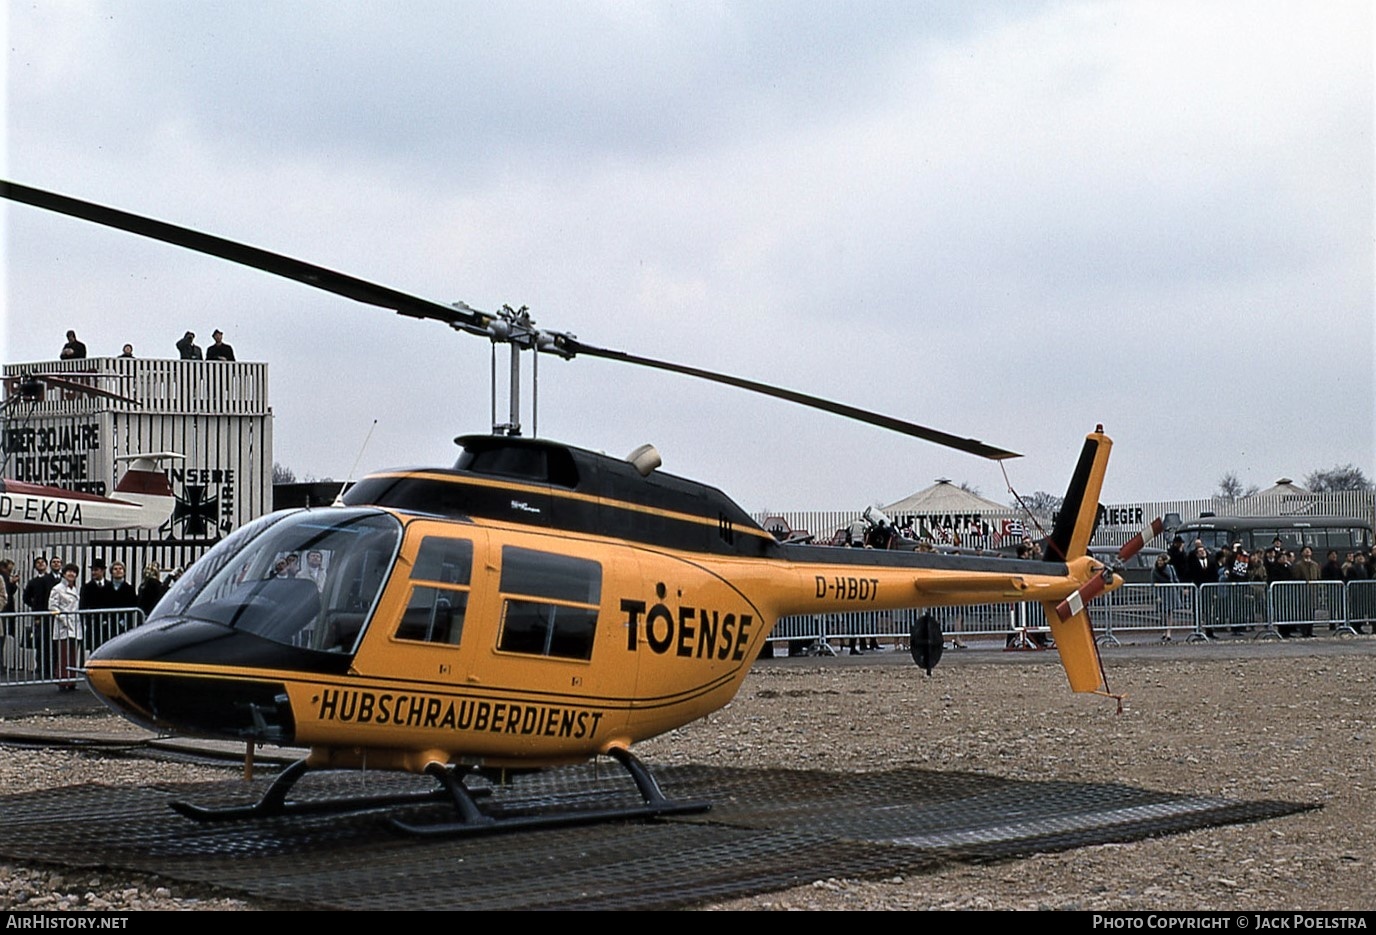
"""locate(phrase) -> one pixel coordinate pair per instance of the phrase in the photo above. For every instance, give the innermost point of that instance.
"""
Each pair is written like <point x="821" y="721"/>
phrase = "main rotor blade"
<point x="463" y="317"/>
<point x="317" y="276"/>
<point x="971" y="445"/>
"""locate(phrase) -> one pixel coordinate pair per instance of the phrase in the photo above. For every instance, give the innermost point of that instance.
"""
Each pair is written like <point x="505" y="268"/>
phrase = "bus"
<point x="1258" y="533"/>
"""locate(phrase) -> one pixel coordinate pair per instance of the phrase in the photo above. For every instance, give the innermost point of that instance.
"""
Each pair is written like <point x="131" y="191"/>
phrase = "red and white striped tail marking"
<point x="1076" y="602"/>
<point x="1135" y="544"/>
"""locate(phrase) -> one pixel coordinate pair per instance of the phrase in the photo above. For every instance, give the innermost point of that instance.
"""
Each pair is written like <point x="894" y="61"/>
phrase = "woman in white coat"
<point x="63" y="601"/>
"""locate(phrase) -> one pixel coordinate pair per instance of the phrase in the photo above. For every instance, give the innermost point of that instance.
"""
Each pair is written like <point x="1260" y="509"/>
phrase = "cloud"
<point x="1009" y="221"/>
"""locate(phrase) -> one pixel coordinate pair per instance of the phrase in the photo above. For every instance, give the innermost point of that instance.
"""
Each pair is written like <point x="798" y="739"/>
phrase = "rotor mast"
<point x="515" y="327"/>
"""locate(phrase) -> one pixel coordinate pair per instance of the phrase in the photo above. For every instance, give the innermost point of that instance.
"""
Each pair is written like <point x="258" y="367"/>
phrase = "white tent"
<point x="944" y="497"/>
<point x="948" y="513"/>
<point x="1282" y="487"/>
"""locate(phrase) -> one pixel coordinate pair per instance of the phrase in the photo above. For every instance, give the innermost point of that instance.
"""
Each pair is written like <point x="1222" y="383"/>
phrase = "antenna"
<point x="339" y="497"/>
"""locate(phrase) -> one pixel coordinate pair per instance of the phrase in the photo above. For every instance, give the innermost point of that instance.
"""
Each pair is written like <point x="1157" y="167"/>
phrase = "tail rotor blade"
<point x="1135" y="544"/>
<point x="1076" y="602"/>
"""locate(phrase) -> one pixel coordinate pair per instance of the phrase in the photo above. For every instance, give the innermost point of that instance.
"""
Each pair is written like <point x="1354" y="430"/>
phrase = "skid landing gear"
<point x="274" y="801"/>
<point x="471" y="820"/>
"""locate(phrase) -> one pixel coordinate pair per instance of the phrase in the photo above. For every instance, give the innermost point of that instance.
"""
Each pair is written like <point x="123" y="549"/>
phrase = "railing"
<point x="1179" y="611"/>
<point x="30" y="655"/>
<point x="152" y="385"/>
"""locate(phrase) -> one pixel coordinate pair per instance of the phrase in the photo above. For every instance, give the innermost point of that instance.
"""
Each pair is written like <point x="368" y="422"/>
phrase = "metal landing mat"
<point x="768" y="830"/>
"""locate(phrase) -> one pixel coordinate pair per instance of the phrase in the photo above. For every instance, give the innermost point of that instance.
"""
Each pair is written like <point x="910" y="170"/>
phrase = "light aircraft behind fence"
<point x="142" y="499"/>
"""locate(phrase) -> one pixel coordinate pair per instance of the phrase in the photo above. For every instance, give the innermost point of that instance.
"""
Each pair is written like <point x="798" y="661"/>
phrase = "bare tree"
<point x="1041" y="503"/>
<point x="1337" y="478"/>
<point x="1230" y="488"/>
<point x="281" y="474"/>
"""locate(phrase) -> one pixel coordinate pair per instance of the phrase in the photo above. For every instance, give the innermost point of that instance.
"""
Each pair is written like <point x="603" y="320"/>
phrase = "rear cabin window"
<point x="549" y="603"/>
<point x="439" y="592"/>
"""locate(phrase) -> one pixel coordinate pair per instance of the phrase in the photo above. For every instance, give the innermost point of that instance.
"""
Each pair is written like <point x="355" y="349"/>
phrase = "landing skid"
<point x="471" y="819"/>
<point x="274" y="802"/>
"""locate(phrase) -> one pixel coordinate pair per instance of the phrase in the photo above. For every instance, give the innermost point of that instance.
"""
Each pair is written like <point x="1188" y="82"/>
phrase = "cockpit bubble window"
<point x="435" y="609"/>
<point x="549" y="603"/>
<point x="266" y="578"/>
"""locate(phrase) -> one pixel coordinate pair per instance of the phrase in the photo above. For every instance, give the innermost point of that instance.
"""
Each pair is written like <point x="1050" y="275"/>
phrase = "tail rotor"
<point x="1095" y="586"/>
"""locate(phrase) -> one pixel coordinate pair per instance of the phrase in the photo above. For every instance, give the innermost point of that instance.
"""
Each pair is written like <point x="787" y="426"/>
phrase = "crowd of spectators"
<point x="1240" y="608"/>
<point x="72" y="617"/>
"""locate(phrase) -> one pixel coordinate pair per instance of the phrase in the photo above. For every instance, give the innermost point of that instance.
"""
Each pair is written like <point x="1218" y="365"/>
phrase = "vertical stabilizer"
<point x="1075" y="523"/>
<point x="146" y="485"/>
<point x="1069" y="541"/>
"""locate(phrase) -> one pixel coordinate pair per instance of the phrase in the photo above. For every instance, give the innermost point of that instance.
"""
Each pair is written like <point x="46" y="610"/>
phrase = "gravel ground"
<point x="1294" y="721"/>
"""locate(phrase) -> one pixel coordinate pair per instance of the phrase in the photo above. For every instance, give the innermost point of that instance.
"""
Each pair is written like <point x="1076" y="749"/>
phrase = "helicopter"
<point x="143" y="497"/>
<point x="535" y="605"/>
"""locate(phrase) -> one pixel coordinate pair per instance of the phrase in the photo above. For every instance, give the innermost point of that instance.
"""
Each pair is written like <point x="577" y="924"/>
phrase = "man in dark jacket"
<point x="95" y="593"/>
<point x="187" y="349"/>
<point x="36" y="591"/>
<point x="121" y="598"/>
<point x="73" y="349"/>
<point x="1201" y="569"/>
<point x="219" y="350"/>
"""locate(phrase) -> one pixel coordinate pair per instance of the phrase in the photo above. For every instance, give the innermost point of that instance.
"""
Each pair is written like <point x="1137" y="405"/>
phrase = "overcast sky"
<point x="1004" y="220"/>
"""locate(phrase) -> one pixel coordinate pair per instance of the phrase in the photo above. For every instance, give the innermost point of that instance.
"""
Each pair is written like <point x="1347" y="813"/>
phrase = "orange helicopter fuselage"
<point x="520" y="635"/>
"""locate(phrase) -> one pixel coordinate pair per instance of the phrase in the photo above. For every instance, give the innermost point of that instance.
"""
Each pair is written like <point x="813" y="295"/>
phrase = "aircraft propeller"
<point x="28" y="388"/>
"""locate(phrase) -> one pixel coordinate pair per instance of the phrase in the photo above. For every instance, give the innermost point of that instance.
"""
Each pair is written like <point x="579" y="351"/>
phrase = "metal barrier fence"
<point x="30" y="655"/>
<point x="1180" y="611"/>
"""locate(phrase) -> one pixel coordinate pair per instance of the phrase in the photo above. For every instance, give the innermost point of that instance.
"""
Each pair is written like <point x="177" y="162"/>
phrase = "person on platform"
<point x="219" y="350"/>
<point x="128" y="351"/>
<point x="63" y="602"/>
<point x="73" y="349"/>
<point x="186" y="347"/>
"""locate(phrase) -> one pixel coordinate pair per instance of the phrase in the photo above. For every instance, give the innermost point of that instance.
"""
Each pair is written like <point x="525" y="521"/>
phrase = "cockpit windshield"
<point x="308" y="579"/>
